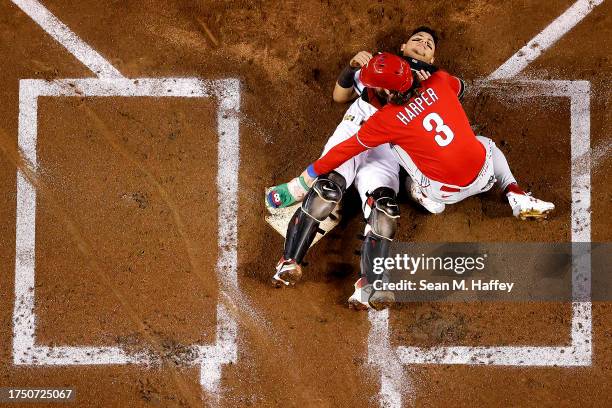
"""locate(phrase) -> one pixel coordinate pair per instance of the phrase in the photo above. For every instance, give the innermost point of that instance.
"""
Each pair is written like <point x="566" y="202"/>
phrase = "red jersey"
<point x="432" y="128"/>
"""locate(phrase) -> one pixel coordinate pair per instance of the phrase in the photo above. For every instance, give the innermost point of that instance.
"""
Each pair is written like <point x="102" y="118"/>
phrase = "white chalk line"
<point x="393" y="383"/>
<point x="69" y="40"/>
<point x="545" y="39"/>
<point x="209" y="357"/>
<point x="112" y="83"/>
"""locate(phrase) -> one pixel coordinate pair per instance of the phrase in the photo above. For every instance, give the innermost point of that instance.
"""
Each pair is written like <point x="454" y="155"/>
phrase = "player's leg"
<point x="420" y="197"/>
<point x="377" y="181"/>
<point x="415" y="182"/>
<point x="318" y="204"/>
<point x="380" y="229"/>
<point x="501" y="168"/>
<point x="523" y="205"/>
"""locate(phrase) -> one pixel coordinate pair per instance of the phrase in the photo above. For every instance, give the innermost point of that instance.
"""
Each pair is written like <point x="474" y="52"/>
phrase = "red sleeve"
<point x="338" y="155"/>
<point x="373" y="133"/>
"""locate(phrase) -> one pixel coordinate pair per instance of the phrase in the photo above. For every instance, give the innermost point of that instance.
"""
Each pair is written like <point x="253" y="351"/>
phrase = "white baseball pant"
<point x="371" y="169"/>
<point x="450" y="194"/>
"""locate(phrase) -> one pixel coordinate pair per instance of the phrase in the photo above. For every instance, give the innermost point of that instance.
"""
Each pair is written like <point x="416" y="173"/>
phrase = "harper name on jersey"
<point x="413" y="109"/>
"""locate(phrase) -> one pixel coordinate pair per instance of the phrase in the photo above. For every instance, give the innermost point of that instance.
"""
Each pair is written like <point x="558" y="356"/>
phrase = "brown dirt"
<point x="108" y="169"/>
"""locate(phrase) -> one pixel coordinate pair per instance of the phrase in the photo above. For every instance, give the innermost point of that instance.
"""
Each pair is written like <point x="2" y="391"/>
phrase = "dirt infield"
<point x="127" y="205"/>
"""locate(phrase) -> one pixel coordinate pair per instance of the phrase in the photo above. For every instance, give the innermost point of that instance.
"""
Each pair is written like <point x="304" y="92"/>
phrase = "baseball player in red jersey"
<point x="432" y="137"/>
<point x="375" y="173"/>
<point x="428" y="130"/>
<point x="419" y="51"/>
<point x="381" y="212"/>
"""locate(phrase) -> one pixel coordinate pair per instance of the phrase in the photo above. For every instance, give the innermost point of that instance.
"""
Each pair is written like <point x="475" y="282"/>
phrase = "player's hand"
<point x="280" y="196"/>
<point x="287" y="194"/>
<point x="360" y="59"/>
<point x="422" y="74"/>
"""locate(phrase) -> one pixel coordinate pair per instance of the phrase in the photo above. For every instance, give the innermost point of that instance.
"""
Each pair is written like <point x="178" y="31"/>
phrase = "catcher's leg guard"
<point x="380" y="229"/>
<point x="382" y="213"/>
<point x="319" y="203"/>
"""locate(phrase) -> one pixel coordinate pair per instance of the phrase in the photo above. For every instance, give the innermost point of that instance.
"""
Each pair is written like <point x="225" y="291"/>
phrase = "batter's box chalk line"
<point x="389" y="360"/>
<point x="209" y="357"/>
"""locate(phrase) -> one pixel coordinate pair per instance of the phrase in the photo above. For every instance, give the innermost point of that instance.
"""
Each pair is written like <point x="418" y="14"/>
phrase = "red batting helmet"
<point x="387" y="71"/>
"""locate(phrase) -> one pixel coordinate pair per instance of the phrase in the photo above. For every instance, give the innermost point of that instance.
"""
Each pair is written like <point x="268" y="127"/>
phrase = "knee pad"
<point x="383" y="213"/>
<point x="324" y="195"/>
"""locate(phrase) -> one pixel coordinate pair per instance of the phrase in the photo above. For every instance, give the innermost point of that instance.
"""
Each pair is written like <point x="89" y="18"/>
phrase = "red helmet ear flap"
<point x="387" y="71"/>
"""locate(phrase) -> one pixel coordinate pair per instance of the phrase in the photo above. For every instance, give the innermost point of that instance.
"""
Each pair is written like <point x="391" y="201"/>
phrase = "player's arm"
<point x="287" y="194"/>
<point x="336" y="156"/>
<point x="344" y="90"/>
<point x="373" y="133"/>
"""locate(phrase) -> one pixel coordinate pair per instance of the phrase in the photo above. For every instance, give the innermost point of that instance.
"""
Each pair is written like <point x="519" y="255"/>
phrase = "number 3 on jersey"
<point x="447" y="135"/>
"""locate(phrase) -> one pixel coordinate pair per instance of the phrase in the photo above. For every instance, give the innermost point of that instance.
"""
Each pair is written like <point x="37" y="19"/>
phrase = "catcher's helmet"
<point x="387" y="71"/>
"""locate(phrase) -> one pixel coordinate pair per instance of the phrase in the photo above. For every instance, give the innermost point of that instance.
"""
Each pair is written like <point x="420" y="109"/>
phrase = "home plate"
<point x="279" y="220"/>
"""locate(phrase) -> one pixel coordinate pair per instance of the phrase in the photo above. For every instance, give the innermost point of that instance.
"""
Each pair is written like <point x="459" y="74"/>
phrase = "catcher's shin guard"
<point x="320" y="201"/>
<point x="380" y="229"/>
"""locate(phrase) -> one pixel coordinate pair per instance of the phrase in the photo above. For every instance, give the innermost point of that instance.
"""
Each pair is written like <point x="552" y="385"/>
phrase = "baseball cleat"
<point x="365" y="297"/>
<point x="359" y="300"/>
<point x="288" y="273"/>
<point x="430" y="205"/>
<point x="524" y="206"/>
<point x="382" y="299"/>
